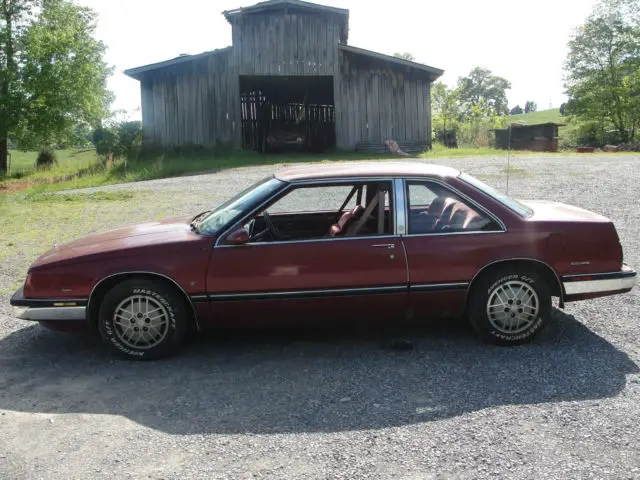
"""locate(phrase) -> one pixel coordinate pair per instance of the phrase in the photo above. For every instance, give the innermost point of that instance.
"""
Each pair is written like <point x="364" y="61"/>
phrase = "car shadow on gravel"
<point x="309" y="382"/>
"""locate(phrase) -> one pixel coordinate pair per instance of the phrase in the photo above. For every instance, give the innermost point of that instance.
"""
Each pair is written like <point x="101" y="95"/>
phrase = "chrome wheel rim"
<point x="513" y="307"/>
<point x="141" y="322"/>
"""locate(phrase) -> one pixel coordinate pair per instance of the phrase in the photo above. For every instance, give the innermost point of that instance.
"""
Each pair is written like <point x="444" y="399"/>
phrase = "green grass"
<point x="31" y="224"/>
<point x="543" y="116"/>
<point x="83" y="169"/>
<point x="22" y="164"/>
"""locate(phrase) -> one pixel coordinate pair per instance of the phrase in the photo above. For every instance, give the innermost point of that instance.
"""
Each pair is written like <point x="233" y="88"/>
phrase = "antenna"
<point x="509" y="158"/>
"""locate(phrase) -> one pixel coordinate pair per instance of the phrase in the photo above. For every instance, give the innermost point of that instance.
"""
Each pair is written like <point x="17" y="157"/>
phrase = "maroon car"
<point x="332" y="243"/>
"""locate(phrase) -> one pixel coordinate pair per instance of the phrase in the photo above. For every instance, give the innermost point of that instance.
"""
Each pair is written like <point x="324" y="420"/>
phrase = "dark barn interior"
<point x="287" y="113"/>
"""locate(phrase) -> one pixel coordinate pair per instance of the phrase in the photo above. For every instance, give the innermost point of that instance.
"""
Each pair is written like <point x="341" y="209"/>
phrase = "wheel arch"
<point x="108" y="282"/>
<point x="550" y="276"/>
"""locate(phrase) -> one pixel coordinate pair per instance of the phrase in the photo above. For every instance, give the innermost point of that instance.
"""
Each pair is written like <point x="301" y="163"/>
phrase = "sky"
<point x="524" y="42"/>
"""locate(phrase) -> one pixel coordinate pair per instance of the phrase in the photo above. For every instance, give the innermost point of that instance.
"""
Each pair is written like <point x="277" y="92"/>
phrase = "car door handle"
<point x="390" y="246"/>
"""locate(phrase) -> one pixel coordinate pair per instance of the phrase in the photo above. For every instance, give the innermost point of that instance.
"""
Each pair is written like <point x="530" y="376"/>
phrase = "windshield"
<point x="232" y="209"/>
<point x="506" y="200"/>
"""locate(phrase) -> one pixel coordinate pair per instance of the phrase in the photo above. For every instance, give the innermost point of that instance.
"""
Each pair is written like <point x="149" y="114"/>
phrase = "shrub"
<point x="47" y="158"/>
<point x="107" y="142"/>
<point x="130" y="138"/>
<point x="587" y="134"/>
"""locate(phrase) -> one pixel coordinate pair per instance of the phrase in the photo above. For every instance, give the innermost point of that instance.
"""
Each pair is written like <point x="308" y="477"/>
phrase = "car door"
<point x="327" y="279"/>
<point x="449" y="238"/>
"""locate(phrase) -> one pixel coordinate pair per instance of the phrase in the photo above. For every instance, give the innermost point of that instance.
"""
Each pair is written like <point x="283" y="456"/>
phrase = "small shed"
<point x="290" y="72"/>
<point x="542" y="137"/>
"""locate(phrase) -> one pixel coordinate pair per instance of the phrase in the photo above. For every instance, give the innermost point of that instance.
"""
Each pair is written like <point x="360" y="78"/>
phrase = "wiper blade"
<point x="198" y="216"/>
<point x="197" y="220"/>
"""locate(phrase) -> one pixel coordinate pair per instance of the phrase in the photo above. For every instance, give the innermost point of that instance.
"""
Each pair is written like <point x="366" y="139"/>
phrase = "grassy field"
<point x="22" y="164"/>
<point x="547" y="116"/>
<point x="543" y="116"/>
<point x="84" y="169"/>
<point x="80" y="169"/>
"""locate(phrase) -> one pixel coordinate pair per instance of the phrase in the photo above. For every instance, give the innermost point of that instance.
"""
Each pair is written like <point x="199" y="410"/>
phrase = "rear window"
<point x="506" y="200"/>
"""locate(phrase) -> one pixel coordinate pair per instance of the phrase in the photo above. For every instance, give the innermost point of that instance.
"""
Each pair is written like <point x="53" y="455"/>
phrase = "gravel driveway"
<point x="297" y="405"/>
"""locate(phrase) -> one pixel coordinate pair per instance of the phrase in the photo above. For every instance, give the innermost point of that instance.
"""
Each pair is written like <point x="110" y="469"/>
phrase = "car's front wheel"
<point x="142" y="319"/>
<point x="509" y="306"/>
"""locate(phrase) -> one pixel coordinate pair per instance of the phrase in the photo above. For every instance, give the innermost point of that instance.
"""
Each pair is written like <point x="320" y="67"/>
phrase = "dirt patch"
<point x="14" y="187"/>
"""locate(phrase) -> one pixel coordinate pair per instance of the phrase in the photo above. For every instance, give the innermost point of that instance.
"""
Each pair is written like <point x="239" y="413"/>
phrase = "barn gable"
<point x="289" y="72"/>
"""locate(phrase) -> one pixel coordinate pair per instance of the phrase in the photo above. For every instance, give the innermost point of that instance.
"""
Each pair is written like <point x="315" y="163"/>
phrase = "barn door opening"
<point x="281" y="113"/>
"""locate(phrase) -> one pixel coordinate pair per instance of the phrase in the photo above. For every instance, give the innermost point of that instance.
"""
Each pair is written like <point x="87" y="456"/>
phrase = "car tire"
<point x="509" y="306"/>
<point x="143" y="319"/>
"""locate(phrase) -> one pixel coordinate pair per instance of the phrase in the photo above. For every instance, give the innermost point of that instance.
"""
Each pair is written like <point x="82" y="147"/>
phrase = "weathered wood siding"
<point x="374" y="104"/>
<point x="286" y="44"/>
<point x="196" y="103"/>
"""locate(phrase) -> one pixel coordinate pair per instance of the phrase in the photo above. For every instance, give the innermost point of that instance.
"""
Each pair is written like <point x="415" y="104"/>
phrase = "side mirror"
<point x="238" y="237"/>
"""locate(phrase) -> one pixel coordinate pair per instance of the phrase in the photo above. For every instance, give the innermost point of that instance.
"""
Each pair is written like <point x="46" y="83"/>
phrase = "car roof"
<point x="366" y="169"/>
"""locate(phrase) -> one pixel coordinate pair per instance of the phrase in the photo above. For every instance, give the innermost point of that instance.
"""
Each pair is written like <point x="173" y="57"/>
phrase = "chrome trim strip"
<point x="143" y="272"/>
<point x="199" y="298"/>
<point x="599" y="286"/>
<point x="51" y="313"/>
<point x="308" y="293"/>
<point x="462" y="195"/>
<point x="442" y="234"/>
<point x="438" y="287"/>
<point x="400" y="207"/>
<point x="312" y="240"/>
<point x="600" y="276"/>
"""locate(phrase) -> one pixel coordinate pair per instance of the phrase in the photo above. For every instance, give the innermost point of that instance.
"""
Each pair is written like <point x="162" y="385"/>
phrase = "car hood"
<point x="120" y="240"/>
<point x="560" y="212"/>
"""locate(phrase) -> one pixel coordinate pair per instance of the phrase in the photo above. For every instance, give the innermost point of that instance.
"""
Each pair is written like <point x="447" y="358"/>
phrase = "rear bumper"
<point x="600" y="283"/>
<point x="45" y="310"/>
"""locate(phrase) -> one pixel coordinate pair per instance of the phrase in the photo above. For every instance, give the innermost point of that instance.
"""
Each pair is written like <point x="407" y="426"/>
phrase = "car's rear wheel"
<point x="142" y="319"/>
<point x="509" y="306"/>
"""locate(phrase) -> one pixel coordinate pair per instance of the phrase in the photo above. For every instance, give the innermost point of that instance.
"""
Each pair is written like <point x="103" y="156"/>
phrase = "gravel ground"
<point x="304" y="405"/>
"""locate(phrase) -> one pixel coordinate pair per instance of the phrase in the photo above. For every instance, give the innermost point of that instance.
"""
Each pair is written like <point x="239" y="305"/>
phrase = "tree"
<point x="602" y="68"/>
<point x="481" y="87"/>
<point x="563" y="109"/>
<point x="405" y="56"/>
<point x="446" y="109"/>
<point x="52" y="73"/>
<point x="530" y="107"/>
<point x="517" y="110"/>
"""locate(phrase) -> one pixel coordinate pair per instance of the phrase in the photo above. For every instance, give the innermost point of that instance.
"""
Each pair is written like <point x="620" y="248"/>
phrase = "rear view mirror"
<point x="238" y="237"/>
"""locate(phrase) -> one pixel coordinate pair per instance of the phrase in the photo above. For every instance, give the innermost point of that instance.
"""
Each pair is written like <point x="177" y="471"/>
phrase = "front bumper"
<point x="600" y="283"/>
<point x="45" y="310"/>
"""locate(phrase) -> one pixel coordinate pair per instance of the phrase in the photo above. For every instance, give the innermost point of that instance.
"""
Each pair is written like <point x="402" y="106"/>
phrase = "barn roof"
<point x="433" y="72"/>
<point x="139" y="71"/>
<point x="272" y="5"/>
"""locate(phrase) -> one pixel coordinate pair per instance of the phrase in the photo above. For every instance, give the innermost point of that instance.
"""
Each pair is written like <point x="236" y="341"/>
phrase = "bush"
<point x="123" y="140"/>
<point x="130" y="136"/>
<point x="587" y="134"/>
<point x="47" y="158"/>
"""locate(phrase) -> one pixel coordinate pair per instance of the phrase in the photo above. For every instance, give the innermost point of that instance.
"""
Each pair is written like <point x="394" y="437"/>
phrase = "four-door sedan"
<point x="332" y="243"/>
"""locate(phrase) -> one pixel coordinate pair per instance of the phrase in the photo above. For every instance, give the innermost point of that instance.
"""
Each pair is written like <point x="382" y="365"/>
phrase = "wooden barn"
<point x="290" y="80"/>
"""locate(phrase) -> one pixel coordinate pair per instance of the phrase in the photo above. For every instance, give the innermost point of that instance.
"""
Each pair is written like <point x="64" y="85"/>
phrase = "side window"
<point x="433" y="208"/>
<point x="319" y="199"/>
<point x="326" y="211"/>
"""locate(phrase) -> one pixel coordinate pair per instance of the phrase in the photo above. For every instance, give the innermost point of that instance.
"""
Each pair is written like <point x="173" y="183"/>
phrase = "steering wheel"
<point x="271" y="228"/>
